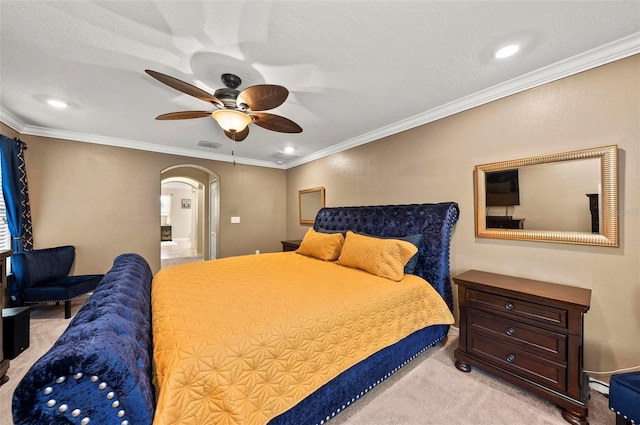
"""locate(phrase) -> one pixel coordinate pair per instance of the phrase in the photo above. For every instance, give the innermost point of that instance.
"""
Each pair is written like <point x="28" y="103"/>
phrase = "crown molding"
<point x="593" y="58"/>
<point x="11" y="120"/>
<point x="131" y="144"/>
<point x="616" y="50"/>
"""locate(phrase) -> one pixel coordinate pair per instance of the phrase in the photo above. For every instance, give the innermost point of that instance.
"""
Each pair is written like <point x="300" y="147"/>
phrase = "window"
<point x="5" y="236"/>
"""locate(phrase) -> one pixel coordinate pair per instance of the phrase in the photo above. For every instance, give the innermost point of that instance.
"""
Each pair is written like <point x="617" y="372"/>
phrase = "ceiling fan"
<point x="236" y="109"/>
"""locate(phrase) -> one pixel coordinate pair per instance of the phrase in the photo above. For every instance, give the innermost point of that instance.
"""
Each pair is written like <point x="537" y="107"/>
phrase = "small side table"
<point x="291" y="245"/>
<point x="15" y="331"/>
<point x="165" y="234"/>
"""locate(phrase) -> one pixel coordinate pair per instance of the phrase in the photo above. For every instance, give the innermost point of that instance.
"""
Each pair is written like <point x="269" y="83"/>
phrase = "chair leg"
<point x="620" y="420"/>
<point x="67" y="309"/>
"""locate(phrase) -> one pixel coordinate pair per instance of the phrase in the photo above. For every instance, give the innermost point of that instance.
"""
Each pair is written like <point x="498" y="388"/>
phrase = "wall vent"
<point x="207" y="144"/>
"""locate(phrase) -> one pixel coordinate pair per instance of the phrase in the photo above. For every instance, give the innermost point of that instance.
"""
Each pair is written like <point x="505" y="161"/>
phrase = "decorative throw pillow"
<point x="324" y="246"/>
<point x="381" y="257"/>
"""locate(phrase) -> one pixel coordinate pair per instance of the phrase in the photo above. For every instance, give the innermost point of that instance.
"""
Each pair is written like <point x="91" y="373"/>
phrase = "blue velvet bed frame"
<point x="99" y="370"/>
<point x="435" y="223"/>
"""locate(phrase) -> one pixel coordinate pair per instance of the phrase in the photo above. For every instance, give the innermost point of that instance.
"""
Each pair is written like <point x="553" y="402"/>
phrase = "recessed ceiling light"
<point x="57" y="103"/>
<point x="507" y="51"/>
<point x="289" y="149"/>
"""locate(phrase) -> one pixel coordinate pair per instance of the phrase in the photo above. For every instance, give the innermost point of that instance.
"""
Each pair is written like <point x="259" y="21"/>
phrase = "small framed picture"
<point x="186" y="203"/>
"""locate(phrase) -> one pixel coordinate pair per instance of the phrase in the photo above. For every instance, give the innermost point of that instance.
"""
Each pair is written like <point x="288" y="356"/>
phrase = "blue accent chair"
<point x="42" y="276"/>
<point x="624" y="397"/>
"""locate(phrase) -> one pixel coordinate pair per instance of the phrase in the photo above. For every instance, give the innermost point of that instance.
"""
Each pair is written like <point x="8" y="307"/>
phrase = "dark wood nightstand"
<point x="4" y="363"/>
<point x="291" y="245"/>
<point x="527" y="332"/>
<point x="497" y="222"/>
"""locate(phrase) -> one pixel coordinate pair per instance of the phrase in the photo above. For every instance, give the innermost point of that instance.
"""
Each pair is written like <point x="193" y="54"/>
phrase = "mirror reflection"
<point x="562" y="196"/>
<point x="569" y="197"/>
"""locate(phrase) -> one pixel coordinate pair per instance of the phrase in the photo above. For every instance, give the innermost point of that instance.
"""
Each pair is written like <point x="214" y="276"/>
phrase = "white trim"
<point x="132" y="144"/>
<point x="599" y="386"/>
<point x="616" y="50"/>
<point x="11" y="120"/>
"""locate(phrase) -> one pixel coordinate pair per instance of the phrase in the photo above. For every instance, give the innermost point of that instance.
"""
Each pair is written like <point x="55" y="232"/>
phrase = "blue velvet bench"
<point x="99" y="370"/>
<point x="42" y="276"/>
<point x="624" y="397"/>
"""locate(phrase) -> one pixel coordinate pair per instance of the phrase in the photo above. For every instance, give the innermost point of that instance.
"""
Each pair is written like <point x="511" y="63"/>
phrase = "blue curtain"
<point x="16" y="193"/>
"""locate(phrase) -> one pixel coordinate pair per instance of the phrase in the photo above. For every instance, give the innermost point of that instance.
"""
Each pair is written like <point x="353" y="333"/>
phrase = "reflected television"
<point x="502" y="188"/>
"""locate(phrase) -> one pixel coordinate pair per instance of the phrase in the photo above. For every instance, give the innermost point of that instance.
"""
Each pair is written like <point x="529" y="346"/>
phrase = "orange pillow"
<point x="324" y="246"/>
<point x="381" y="257"/>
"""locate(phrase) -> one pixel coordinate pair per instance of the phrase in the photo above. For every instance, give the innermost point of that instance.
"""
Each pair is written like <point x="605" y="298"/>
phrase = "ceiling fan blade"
<point x="239" y="136"/>
<point x="263" y="96"/>
<point x="275" y="123"/>
<point x="185" y="88"/>
<point x="184" y="115"/>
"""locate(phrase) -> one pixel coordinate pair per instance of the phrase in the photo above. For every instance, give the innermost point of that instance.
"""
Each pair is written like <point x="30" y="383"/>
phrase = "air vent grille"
<point x="207" y="144"/>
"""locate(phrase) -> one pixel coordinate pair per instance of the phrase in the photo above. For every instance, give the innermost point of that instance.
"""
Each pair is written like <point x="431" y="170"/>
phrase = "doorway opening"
<point x="189" y="214"/>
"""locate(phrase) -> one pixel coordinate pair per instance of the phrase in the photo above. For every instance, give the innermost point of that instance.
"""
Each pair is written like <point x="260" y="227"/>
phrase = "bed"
<point x="287" y="338"/>
<point x="122" y="358"/>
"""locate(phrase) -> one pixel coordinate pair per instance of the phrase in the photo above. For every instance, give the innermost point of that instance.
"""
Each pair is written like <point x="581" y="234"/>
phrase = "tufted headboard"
<point x="433" y="221"/>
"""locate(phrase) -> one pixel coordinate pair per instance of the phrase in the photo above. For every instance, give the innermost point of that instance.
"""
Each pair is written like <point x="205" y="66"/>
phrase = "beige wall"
<point x="106" y="201"/>
<point x="434" y="163"/>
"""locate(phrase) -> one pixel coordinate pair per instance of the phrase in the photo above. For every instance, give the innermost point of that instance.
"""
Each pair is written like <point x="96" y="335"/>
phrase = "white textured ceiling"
<point x="356" y="70"/>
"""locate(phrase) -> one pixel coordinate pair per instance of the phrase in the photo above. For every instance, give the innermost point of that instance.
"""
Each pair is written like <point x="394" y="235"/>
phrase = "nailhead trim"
<point x="63" y="408"/>
<point x="624" y="416"/>
<point x="363" y="392"/>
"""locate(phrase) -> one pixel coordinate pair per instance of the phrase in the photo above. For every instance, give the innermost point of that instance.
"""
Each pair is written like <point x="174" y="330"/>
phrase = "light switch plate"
<point x="235" y="219"/>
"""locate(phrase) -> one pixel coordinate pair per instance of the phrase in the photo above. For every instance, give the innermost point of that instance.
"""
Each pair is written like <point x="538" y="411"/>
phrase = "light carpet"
<point x="429" y="390"/>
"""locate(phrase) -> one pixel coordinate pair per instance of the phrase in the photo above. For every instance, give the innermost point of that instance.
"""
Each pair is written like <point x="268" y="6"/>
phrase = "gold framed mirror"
<point x="569" y="197"/>
<point x="310" y="201"/>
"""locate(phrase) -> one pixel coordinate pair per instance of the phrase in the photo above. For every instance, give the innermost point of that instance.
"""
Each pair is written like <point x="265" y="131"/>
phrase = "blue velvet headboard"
<point x="433" y="221"/>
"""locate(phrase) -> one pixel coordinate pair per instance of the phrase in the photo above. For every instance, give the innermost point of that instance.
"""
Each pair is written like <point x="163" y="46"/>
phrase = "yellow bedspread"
<point x="240" y="340"/>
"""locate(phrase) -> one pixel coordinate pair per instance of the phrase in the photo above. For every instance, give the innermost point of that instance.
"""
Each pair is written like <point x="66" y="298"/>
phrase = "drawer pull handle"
<point x="508" y="306"/>
<point x="511" y="331"/>
<point x="511" y="358"/>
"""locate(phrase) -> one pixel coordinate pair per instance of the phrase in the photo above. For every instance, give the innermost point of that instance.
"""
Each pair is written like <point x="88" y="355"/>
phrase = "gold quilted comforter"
<point x="242" y="339"/>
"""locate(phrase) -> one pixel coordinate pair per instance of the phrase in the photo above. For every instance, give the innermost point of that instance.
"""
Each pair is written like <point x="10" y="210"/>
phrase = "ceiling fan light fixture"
<point x="231" y="120"/>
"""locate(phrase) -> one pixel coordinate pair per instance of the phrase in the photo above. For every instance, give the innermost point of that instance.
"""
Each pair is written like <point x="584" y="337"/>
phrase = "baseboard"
<point x="599" y="386"/>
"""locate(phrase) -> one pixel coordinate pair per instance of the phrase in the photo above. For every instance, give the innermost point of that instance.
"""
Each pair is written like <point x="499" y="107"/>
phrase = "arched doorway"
<point x="189" y="214"/>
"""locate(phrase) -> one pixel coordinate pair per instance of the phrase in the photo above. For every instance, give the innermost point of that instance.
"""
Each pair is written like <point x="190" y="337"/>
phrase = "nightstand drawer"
<point x="517" y="309"/>
<point x="542" y="371"/>
<point x="534" y="340"/>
